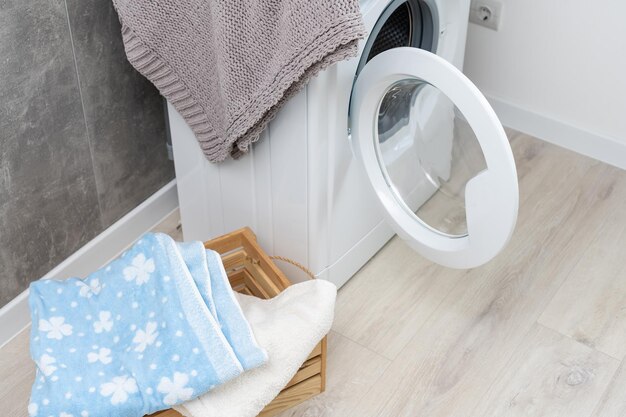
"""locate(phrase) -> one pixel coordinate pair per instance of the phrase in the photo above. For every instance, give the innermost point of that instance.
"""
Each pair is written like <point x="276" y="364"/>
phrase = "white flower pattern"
<point x="112" y="356"/>
<point x="175" y="390"/>
<point x="56" y="327"/>
<point x="104" y="324"/>
<point x="118" y="389"/>
<point x="140" y="269"/>
<point x="87" y="290"/>
<point x="103" y="355"/>
<point x="144" y="338"/>
<point x="32" y="409"/>
<point x="45" y="364"/>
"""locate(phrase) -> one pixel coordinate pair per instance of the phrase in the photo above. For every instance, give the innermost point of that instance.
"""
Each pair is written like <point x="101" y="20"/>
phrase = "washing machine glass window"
<point x="403" y="23"/>
<point x="435" y="155"/>
<point x="428" y="153"/>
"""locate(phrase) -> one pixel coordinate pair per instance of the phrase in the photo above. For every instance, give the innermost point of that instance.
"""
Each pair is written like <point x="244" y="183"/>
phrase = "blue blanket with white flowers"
<point x="154" y="328"/>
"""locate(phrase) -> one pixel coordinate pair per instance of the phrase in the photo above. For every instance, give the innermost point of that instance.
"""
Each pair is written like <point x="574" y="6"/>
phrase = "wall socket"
<point x="487" y="13"/>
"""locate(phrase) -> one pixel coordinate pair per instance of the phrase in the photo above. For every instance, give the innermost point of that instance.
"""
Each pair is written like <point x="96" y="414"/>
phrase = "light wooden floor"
<point x="539" y="331"/>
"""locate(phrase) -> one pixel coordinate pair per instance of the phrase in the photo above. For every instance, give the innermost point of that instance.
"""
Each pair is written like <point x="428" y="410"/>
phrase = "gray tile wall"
<point x="82" y="135"/>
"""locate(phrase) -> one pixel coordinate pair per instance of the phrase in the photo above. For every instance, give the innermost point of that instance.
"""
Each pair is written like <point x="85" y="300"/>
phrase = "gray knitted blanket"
<point x="228" y="66"/>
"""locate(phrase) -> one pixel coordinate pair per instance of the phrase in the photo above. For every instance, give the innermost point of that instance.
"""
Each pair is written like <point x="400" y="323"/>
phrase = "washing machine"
<point x="395" y="140"/>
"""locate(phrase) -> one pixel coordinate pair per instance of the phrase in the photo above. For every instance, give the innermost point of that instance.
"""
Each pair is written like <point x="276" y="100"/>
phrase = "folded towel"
<point x="137" y="336"/>
<point x="209" y="275"/>
<point x="288" y="326"/>
<point x="228" y="66"/>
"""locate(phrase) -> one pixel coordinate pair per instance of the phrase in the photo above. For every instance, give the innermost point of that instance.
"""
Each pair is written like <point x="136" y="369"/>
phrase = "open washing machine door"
<point x="436" y="156"/>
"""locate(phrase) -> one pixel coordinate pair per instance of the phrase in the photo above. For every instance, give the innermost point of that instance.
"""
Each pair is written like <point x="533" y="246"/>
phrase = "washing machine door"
<point x="436" y="156"/>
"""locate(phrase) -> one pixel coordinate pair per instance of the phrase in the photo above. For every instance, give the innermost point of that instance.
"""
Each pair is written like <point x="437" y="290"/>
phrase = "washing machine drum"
<point x="403" y="23"/>
<point x="430" y="145"/>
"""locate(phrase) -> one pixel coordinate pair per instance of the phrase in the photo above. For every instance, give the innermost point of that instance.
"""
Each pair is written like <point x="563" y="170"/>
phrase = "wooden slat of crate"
<point x="238" y="282"/>
<point x="244" y="238"/>
<point x="261" y="278"/>
<point x="293" y="396"/>
<point x="166" y="413"/>
<point x="234" y="259"/>
<point x="226" y="243"/>
<point x="317" y="350"/>
<point x="324" y="355"/>
<point x="310" y="368"/>
<point x="251" y="285"/>
<point x="272" y="271"/>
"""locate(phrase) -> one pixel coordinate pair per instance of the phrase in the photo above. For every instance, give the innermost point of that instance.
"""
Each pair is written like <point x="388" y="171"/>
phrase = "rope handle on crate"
<point x="294" y="263"/>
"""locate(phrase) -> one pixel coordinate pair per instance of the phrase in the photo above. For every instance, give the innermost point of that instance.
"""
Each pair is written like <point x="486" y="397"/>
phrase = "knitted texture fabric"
<point x="228" y="66"/>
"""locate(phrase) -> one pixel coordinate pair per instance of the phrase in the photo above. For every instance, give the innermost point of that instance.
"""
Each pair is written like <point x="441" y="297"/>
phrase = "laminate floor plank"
<point x="591" y="305"/>
<point x="17" y="373"/>
<point x="549" y="375"/>
<point x="613" y="402"/>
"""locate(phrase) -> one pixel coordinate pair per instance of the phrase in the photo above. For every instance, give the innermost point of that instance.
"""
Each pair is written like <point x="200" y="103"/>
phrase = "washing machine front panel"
<point x="435" y="155"/>
<point x="300" y="188"/>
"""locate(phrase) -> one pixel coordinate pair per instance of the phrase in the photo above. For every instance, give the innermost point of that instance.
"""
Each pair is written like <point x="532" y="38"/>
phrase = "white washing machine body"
<point x="308" y="188"/>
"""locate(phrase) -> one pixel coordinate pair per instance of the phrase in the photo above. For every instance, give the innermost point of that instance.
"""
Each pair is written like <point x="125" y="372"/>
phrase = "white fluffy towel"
<point x="288" y="326"/>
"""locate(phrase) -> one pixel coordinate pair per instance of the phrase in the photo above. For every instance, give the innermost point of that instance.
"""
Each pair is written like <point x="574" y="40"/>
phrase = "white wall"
<point x="557" y="68"/>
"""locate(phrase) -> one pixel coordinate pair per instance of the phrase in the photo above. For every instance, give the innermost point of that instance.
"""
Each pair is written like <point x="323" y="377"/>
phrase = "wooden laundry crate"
<point x="252" y="272"/>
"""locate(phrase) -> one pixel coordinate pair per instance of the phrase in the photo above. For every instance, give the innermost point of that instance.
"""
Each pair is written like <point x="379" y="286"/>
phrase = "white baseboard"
<point x="602" y="148"/>
<point x="15" y="316"/>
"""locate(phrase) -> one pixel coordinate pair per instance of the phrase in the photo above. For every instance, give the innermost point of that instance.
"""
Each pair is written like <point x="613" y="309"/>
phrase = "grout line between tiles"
<point x="82" y="105"/>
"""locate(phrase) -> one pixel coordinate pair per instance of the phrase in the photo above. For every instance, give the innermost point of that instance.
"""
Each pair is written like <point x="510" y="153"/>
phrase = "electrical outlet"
<point x="487" y="13"/>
